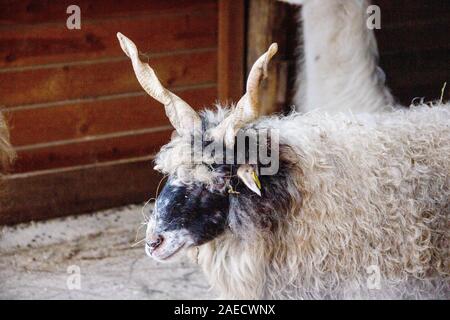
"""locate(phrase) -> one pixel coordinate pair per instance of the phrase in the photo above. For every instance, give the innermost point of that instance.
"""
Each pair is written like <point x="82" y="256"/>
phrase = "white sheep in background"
<point x="358" y="208"/>
<point x="339" y="68"/>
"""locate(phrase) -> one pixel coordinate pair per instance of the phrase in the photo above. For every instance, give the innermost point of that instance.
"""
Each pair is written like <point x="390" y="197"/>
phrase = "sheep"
<point x="352" y="193"/>
<point x="358" y="207"/>
<point x="339" y="70"/>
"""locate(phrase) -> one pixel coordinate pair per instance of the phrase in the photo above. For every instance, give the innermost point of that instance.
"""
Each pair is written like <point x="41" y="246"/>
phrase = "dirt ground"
<point x="91" y="257"/>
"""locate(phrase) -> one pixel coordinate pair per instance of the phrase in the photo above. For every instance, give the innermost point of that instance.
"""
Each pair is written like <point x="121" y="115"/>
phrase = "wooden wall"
<point x="415" y="48"/>
<point x="84" y="130"/>
<point x="279" y="20"/>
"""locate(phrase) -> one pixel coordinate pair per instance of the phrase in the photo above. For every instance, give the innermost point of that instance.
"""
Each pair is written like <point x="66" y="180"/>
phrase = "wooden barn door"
<point x="84" y="130"/>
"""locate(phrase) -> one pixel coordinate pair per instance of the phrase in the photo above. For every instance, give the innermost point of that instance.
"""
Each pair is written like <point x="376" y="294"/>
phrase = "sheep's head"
<point x="206" y="165"/>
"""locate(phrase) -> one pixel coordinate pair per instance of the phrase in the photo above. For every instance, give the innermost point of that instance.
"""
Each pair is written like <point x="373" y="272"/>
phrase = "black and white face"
<point x="189" y="214"/>
<point x="185" y="215"/>
<point x="193" y="213"/>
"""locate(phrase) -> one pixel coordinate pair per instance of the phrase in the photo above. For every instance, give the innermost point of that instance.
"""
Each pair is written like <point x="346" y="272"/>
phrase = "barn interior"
<point x="85" y="132"/>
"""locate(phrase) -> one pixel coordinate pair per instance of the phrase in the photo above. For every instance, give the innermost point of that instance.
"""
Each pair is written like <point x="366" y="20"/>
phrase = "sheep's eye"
<point x="220" y="185"/>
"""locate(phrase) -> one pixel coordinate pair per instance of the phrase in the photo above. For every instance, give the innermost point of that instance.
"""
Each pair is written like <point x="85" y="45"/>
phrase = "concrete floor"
<point x="41" y="260"/>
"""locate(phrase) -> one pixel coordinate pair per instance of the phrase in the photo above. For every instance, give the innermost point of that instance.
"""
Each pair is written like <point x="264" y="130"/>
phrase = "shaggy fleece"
<point x="369" y="192"/>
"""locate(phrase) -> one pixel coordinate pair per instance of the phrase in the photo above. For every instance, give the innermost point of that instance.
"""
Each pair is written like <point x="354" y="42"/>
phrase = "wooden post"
<point x="273" y="21"/>
<point x="231" y="54"/>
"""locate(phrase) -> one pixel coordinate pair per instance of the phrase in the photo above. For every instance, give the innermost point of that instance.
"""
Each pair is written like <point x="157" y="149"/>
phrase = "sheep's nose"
<point x="155" y="241"/>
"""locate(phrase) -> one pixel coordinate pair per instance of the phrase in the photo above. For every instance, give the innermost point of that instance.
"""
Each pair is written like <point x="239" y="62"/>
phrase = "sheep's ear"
<point x="248" y="176"/>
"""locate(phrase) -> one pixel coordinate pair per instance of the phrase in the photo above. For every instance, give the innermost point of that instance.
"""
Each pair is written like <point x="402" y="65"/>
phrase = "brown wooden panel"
<point x="416" y="73"/>
<point x="45" y="11"/>
<point x="78" y="190"/>
<point x="90" y="118"/>
<point x="413" y="60"/>
<point x="51" y="43"/>
<point x="414" y="37"/>
<point x="421" y="77"/>
<point x="405" y="11"/>
<point x="427" y="84"/>
<point x="102" y="78"/>
<point x="231" y="49"/>
<point x="414" y="47"/>
<point x="415" y="93"/>
<point x="275" y="18"/>
<point x="78" y="114"/>
<point x="90" y="151"/>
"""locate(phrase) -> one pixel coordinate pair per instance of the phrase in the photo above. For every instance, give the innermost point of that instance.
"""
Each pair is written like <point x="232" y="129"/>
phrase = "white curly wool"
<point x="374" y="193"/>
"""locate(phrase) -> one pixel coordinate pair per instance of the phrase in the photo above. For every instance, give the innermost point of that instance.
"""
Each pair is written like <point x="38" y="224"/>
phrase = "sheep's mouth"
<point x="162" y="254"/>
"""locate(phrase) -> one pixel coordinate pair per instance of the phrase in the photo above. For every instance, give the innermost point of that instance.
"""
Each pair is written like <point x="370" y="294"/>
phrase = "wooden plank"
<point x="81" y="82"/>
<point x="231" y="50"/>
<point x="77" y="190"/>
<point x="53" y="43"/>
<point x="13" y="12"/>
<point x="267" y="23"/>
<point x="87" y="151"/>
<point x="95" y="117"/>
<point x="102" y="78"/>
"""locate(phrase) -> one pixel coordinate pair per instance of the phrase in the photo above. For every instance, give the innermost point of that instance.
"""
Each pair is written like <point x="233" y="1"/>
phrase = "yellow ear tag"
<point x="256" y="179"/>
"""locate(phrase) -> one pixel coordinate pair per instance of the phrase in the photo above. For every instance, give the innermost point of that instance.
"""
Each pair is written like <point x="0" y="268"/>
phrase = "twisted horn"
<point x="258" y="72"/>
<point x="181" y="115"/>
<point x="247" y="109"/>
